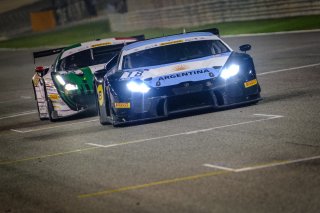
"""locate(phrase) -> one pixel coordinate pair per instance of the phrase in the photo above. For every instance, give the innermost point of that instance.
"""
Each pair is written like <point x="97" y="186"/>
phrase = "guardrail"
<point x="214" y="11"/>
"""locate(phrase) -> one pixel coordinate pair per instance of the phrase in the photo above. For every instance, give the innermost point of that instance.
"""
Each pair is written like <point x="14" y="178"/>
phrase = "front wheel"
<point x="102" y="120"/>
<point x="101" y="104"/>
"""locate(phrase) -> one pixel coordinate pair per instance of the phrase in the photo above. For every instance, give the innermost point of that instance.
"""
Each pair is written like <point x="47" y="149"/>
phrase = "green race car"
<point x="66" y="87"/>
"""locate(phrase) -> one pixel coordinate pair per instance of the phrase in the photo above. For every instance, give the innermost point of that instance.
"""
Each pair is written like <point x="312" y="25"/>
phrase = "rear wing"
<point x="140" y="37"/>
<point x="118" y="47"/>
<point x="45" y="53"/>
<point x="214" y="31"/>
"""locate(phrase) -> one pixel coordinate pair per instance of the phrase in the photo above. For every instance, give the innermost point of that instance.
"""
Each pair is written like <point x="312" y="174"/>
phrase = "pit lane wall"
<point x="144" y="14"/>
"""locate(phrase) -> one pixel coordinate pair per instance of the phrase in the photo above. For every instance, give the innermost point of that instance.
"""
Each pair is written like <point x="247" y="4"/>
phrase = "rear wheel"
<point x="50" y="107"/>
<point x="38" y="108"/>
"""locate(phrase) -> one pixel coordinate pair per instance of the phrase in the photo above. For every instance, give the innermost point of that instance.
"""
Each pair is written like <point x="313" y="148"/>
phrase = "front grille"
<point x="83" y="100"/>
<point x="187" y="101"/>
<point x="187" y="88"/>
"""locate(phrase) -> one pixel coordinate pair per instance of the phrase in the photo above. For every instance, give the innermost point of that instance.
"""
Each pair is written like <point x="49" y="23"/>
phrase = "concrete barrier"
<point x="211" y="11"/>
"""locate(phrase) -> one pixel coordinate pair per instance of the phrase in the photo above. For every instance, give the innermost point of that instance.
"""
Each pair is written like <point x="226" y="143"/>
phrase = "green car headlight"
<point x="60" y="80"/>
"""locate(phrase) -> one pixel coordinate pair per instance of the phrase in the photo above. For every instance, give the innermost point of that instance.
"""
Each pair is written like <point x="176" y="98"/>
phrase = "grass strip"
<point x="101" y="29"/>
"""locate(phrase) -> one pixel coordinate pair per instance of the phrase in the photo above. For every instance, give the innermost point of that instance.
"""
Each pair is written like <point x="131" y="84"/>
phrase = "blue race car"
<point x="162" y="76"/>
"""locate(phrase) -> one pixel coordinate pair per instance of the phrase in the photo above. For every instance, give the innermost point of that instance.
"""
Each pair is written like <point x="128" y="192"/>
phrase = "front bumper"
<point x="187" y="96"/>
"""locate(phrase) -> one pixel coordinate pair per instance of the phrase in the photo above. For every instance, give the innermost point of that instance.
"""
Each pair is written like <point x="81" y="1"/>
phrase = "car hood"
<point x="83" y="78"/>
<point x="175" y="73"/>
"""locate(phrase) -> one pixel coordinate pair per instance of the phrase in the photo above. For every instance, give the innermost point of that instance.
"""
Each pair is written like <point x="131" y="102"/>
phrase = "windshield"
<point x="173" y="53"/>
<point x="89" y="57"/>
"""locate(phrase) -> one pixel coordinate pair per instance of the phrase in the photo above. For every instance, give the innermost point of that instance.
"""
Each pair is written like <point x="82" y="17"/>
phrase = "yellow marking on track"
<point x="147" y="185"/>
<point x="47" y="156"/>
<point x="199" y="176"/>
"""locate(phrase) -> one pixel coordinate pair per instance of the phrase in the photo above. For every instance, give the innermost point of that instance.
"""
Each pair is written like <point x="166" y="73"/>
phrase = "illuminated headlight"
<point x="70" y="87"/>
<point x="230" y="71"/>
<point x="138" y="87"/>
<point x="60" y="80"/>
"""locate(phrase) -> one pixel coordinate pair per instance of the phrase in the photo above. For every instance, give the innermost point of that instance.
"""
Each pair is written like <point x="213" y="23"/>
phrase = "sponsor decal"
<point x="101" y="44"/>
<point x="180" y="67"/>
<point x="171" y="42"/>
<point x="250" y="83"/>
<point x="54" y="97"/>
<point x="132" y="74"/>
<point x="183" y="74"/>
<point x="122" y="105"/>
<point x="100" y="94"/>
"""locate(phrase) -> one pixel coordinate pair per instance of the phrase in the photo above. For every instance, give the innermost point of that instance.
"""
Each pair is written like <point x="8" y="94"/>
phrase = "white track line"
<point x="19" y="114"/>
<point x="14" y="100"/>
<point x="51" y="127"/>
<point x="97" y="145"/>
<point x="277" y="164"/>
<point x="218" y="167"/>
<point x="267" y="115"/>
<point x="267" y="165"/>
<point x="187" y="133"/>
<point x="288" y="69"/>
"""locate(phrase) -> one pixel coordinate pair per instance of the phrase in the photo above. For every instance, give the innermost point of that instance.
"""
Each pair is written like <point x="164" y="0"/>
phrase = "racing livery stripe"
<point x="171" y="42"/>
<point x="192" y="67"/>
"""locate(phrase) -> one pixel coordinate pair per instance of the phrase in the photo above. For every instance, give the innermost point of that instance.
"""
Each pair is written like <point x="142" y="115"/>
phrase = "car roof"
<point x="167" y="39"/>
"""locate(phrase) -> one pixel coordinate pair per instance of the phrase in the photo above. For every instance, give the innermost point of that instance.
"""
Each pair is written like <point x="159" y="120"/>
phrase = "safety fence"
<point x="211" y="11"/>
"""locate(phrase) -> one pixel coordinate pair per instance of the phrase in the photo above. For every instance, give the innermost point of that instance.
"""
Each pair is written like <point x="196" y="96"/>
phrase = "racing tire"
<point x="112" y="119"/>
<point x="101" y="120"/>
<point x="35" y="95"/>
<point x="50" y="110"/>
<point x="50" y="107"/>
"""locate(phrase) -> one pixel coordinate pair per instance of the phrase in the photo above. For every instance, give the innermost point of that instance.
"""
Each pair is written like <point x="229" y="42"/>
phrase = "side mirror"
<point x="245" y="48"/>
<point x="111" y="63"/>
<point x="41" y="70"/>
<point x="99" y="74"/>
<point x="108" y="66"/>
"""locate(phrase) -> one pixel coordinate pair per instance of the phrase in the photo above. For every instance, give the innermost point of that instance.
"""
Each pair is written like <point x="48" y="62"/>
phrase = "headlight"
<point x="60" y="80"/>
<point x="70" y="87"/>
<point x="138" y="87"/>
<point x="230" y="71"/>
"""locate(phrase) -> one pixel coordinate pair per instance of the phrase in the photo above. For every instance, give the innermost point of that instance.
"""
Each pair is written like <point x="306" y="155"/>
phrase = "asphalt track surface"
<point x="259" y="158"/>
